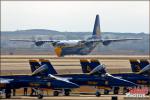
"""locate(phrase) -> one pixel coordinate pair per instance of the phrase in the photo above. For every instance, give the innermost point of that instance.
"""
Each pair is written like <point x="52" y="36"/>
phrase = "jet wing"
<point x="145" y="70"/>
<point x="66" y="80"/>
<point x="5" y="81"/>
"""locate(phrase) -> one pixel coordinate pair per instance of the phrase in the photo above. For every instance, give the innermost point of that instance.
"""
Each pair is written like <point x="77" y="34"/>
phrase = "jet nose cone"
<point x="127" y="83"/>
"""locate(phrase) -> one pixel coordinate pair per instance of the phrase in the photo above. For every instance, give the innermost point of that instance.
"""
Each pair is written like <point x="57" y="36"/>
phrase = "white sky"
<point x="115" y="16"/>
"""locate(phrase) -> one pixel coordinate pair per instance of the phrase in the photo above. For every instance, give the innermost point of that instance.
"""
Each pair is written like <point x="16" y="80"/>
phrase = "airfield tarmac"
<point x="72" y="97"/>
<point x="19" y="64"/>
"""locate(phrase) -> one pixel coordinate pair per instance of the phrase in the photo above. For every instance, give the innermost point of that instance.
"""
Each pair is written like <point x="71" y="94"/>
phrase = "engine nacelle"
<point x="106" y="43"/>
<point x="39" y="43"/>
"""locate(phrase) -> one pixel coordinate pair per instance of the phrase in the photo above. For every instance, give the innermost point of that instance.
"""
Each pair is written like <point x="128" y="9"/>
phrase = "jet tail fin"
<point x="87" y="66"/>
<point x="34" y="64"/>
<point x="143" y="63"/>
<point x="51" y="69"/>
<point x="135" y="65"/>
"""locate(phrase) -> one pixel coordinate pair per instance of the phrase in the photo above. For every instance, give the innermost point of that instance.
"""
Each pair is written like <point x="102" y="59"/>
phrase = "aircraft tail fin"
<point x="87" y="66"/>
<point x="135" y="65"/>
<point x="51" y="69"/>
<point x="34" y="64"/>
<point x="143" y="63"/>
<point x="96" y="30"/>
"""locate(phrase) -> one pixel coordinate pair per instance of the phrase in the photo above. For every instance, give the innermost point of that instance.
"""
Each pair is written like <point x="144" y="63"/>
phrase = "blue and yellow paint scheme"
<point x="133" y="77"/>
<point x="83" y="79"/>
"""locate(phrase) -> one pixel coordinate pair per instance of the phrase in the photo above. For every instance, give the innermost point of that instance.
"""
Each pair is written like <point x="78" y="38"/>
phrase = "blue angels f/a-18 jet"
<point x="45" y="76"/>
<point x="39" y="83"/>
<point x="140" y="74"/>
<point x="97" y="77"/>
<point x="78" y="47"/>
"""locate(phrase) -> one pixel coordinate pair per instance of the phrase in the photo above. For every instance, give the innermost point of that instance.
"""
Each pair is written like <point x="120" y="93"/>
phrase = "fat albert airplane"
<point x="77" y="47"/>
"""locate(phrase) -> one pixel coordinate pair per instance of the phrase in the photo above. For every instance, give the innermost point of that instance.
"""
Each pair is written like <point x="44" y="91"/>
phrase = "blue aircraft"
<point x="21" y="81"/>
<point x="97" y="77"/>
<point x="139" y="76"/>
<point x="77" y="47"/>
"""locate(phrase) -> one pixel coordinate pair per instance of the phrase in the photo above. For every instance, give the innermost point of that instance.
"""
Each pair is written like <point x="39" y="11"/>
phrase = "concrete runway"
<point x="15" y="64"/>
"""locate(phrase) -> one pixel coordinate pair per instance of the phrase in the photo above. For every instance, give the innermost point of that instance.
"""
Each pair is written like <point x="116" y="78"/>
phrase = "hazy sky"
<point x="115" y="16"/>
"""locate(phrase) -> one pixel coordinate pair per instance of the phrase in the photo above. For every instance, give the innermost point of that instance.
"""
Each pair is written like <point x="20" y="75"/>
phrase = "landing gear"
<point x="106" y="92"/>
<point x="39" y="93"/>
<point x="148" y="93"/>
<point x="8" y="93"/>
<point x="40" y="96"/>
<point x="116" y="90"/>
<point x="55" y="93"/>
<point x="67" y="92"/>
<point x="98" y="94"/>
<point x="125" y="90"/>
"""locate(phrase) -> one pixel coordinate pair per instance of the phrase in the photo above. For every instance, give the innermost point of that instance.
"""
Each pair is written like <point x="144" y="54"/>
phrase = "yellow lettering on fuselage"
<point x="2" y="85"/>
<point x="92" y="83"/>
<point x="34" y="84"/>
<point x="104" y="87"/>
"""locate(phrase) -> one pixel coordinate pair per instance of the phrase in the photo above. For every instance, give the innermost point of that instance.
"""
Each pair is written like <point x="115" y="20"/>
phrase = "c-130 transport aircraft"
<point x="77" y="47"/>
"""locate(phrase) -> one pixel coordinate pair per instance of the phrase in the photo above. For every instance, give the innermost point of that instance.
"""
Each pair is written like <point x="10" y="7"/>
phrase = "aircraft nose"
<point x="58" y="51"/>
<point x="115" y="81"/>
<point x="126" y="83"/>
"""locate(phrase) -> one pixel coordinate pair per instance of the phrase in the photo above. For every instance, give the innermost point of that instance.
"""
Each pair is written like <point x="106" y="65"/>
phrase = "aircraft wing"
<point x="117" y="40"/>
<point x="66" y="80"/>
<point x="24" y="40"/>
<point x="145" y="70"/>
<point x="37" y="42"/>
<point x="108" y="41"/>
<point x="30" y="40"/>
<point x="4" y="81"/>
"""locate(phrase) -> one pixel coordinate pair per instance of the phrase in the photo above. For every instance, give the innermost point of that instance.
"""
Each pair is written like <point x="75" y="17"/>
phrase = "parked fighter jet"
<point x="77" y="47"/>
<point x="140" y="77"/>
<point x="97" y="77"/>
<point x="20" y="81"/>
